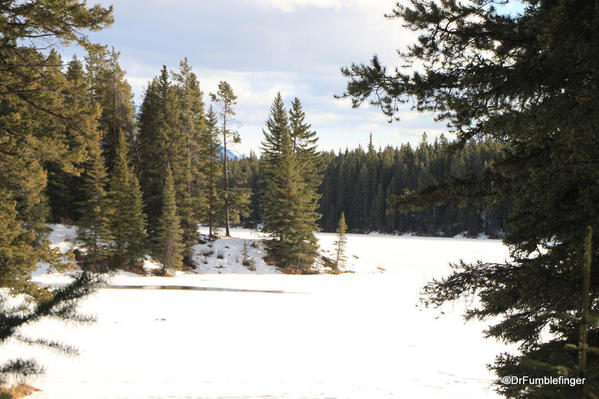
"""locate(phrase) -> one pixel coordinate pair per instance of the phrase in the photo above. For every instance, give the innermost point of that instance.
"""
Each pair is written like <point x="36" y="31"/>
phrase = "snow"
<point x="61" y="237"/>
<point x="264" y="334"/>
<point x="225" y="255"/>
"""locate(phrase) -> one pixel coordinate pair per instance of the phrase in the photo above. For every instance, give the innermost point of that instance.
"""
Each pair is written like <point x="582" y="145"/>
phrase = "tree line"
<point x="151" y="178"/>
<point x="74" y="150"/>
<point x="364" y="183"/>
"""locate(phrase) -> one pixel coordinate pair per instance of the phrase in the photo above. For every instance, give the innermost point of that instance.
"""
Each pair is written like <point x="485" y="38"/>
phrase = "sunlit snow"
<point x="264" y="334"/>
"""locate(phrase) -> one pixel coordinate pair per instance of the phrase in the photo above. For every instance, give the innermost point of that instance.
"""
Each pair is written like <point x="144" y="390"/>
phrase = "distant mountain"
<point x="231" y="154"/>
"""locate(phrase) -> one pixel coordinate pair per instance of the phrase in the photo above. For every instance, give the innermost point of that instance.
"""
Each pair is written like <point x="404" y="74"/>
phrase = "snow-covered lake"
<point x="355" y="335"/>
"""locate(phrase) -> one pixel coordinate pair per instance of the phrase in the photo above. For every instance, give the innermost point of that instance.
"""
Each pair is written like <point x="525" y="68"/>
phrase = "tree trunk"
<point x="227" y="232"/>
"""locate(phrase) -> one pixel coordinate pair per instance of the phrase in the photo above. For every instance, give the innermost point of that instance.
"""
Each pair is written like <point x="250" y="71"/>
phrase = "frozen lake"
<point x="355" y="335"/>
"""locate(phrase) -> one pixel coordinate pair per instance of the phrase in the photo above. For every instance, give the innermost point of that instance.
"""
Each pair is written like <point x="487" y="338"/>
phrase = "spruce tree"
<point x="288" y="200"/>
<point x="341" y="243"/>
<point x="16" y="252"/>
<point x="277" y="126"/>
<point x="152" y="155"/>
<point x="171" y="128"/>
<point x="80" y="128"/>
<point x="128" y="221"/>
<point x="212" y="156"/>
<point x="296" y="245"/>
<point x="305" y="145"/>
<point x="110" y="89"/>
<point x="94" y="233"/>
<point x="226" y="99"/>
<point x="189" y="164"/>
<point x="169" y="250"/>
<point x="524" y="82"/>
<point x="37" y="129"/>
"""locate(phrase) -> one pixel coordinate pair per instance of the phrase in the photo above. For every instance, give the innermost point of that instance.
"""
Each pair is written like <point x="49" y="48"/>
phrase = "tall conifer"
<point x="296" y="244"/>
<point x="34" y="132"/>
<point x="288" y="200"/>
<point x="305" y="145"/>
<point x="170" y="247"/>
<point x="110" y="89"/>
<point x="212" y="155"/>
<point x="226" y="99"/>
<point x="94" y="227"/>
<point x="341" y="243"/>
<point x="128" y="221"/>
<point x="151" y="157"/>
<point x="188" y="163"/>
<point x="521" y="80"/>
<point x="277" y="126"/>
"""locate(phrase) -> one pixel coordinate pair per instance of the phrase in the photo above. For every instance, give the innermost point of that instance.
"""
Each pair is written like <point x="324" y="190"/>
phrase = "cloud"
<point x="292" y="5"/>
<point x="262" y="47"/>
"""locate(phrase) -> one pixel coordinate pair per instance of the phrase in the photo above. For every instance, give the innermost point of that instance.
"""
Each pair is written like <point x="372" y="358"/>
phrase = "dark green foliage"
<point x="170" y="246"/>
<point x="226" y="99"/>
<point x="100" y="100"/>
<point x="212" y="156"/>
<point x="288" y="201"/>
<point x="240" y="192"/>
<point x="173" y="131"/>
<point x="127" y="220"/>
<point x="305" y="145"/>
<point x="44" y="120"/>
<point x="277" y="127"/>
<point x="364" y="186"/>
<point x="151" y="149"/>
<point x="17" y="255"/>
<point x="94" y="233"/>
<point x="529" y="82"/>
<point x="341" y="243"/>
<point x="110" y="90"/>
<point x="189" y="164"/>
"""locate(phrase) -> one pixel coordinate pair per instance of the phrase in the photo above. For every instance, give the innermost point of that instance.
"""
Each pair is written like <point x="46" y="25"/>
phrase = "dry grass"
<point x="19" y="391"/>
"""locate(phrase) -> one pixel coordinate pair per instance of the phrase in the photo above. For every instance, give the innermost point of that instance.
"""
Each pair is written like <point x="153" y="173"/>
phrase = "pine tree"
<point x="170" y="246"/>
<point x="152" y="155"/>
<point x="35" y="132"/>
<point x="296" y="244"/>
<point x="94" y="233"/>
<point x="16" y="252"/>
<point x="188" y="166"/>
<point x="226" y="99"/>
<point x="341" y="243"/>
<point x="277" y="126"/>
<point x="109" y="89"/>
<point x="518" y="80"/>
<point x="79" y="128"/>
<point x="128" y="221"/>
<point x="287" y="201"/>
<point x="305" y="146"/>
<point x="212" y="155"/>
<point x="173" y="132"/>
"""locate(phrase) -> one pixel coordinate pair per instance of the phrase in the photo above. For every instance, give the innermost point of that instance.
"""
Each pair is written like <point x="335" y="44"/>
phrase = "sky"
<point x="262" y="47"/>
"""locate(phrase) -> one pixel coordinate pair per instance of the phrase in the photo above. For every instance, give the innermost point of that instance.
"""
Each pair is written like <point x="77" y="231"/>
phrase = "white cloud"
<point x="292" y="5"/>
<point x="262" y="47"/>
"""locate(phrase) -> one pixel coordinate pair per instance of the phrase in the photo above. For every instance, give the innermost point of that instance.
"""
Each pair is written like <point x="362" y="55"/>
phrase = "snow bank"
<point x="353" y="336"/>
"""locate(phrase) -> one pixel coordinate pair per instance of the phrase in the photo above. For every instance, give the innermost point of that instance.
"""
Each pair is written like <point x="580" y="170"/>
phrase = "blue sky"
<point x="265" y="46"/>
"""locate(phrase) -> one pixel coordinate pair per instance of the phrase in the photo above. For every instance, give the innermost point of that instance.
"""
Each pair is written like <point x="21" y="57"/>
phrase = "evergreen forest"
<point x="519" y="162"/>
